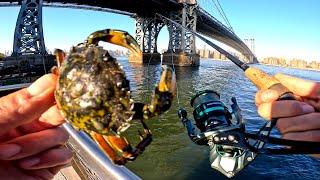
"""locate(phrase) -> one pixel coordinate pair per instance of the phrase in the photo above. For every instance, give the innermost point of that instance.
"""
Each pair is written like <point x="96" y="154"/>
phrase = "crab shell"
<point x="93" y="92"/>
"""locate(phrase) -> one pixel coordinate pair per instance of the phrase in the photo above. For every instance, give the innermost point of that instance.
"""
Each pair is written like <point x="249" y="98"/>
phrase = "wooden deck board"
<point x="67" y="173"/>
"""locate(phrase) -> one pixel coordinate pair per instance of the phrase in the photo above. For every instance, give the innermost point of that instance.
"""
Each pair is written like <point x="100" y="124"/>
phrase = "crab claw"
<point x="163" y="94"/>
<point x="167" y="80"/>
<point x="118" y="37"/>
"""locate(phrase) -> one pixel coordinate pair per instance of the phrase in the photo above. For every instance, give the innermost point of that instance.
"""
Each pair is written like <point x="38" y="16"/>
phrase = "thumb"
<point x="301" y="87"/>
<point x="27" y="104"/>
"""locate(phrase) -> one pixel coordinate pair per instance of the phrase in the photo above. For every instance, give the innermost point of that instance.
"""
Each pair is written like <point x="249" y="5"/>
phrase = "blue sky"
<point x="280" y="27"/>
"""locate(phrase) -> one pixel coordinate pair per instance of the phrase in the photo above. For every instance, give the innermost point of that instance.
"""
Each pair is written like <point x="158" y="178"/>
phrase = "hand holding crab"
<point x="93" y="94"/>
<point x="30" y="139"/>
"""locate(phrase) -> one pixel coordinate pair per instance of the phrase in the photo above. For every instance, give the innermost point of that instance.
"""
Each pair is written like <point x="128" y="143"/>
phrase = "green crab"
<point x="93" y="94"/>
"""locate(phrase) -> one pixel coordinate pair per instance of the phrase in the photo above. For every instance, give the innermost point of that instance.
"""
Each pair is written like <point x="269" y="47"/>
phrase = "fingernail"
<point x="307" y="108"/>
<point x="40" y="85"/>
<point x="9" y="150"/>
<point x="30" y="162"/>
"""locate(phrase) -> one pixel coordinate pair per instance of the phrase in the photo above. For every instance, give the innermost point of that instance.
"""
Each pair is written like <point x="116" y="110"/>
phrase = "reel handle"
<point x="182" y="113"/>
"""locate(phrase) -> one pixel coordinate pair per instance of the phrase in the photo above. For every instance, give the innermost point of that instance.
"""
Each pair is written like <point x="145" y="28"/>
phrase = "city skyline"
<point x="280" y="29"/>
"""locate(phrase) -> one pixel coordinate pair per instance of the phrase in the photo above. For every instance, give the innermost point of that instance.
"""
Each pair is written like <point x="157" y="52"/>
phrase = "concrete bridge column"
<point x="182" y="48"/>
<point x="147" y="31"/>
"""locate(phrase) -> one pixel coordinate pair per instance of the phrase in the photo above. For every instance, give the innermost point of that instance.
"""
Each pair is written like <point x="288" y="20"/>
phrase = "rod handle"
<point x="264" y="81"/>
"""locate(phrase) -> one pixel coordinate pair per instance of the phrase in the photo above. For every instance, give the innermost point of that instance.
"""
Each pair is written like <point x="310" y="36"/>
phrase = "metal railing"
<point x="105" y="169"/>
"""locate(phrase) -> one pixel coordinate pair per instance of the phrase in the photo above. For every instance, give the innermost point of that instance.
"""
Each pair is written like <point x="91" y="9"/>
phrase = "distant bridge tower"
<point x="181" y="49"/>
<point x="251" y="44"/>
<point x="29" y="59"/>
<point x="28" y="35"/>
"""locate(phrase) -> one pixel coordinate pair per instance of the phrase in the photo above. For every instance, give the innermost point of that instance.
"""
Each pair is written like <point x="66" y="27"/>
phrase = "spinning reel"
<point x="231" y="147"/>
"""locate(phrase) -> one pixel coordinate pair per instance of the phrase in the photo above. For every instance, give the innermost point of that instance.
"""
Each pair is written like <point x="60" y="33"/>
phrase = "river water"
<point x="172" y="155"/>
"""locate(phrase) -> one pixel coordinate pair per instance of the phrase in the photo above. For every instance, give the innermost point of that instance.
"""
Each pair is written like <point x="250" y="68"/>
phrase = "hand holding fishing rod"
<point x="231" y="147"/>
<point x="296" y="120"/>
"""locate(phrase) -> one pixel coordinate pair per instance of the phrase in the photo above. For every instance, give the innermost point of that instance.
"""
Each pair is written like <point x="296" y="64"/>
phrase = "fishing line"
<point x="149" y="80"/>
<point x="177" y="89"/>
<point x="176" y="83"/>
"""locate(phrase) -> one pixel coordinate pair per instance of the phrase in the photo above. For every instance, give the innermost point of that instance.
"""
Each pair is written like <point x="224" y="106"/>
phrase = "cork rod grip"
<point x="264" y="81"/>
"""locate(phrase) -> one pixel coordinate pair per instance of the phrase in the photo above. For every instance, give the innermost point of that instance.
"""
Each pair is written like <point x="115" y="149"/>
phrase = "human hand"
<point x="297" y="120"/>
<point x="30" y="141"/>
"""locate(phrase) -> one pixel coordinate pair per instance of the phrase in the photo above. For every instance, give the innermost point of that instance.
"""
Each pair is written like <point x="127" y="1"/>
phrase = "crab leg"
<point x="145" y="138"/>
<point x="60" y="55"/>
<point x="108" y="149"/>
<point x="118" y="148"/>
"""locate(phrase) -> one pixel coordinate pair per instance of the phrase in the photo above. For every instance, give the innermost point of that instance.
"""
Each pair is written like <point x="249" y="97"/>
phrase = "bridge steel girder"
<point x="147" y="31"/>
<point x="28" y="35"/>
<point x="148" y="28"/>
<point x="180" y="39"/>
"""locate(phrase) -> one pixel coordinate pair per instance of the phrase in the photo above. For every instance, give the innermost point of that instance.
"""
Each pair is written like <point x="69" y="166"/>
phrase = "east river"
<point x="172" y="155"/>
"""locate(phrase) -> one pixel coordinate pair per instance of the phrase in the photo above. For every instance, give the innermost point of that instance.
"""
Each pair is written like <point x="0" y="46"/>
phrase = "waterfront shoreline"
<point x="309" y="69"/>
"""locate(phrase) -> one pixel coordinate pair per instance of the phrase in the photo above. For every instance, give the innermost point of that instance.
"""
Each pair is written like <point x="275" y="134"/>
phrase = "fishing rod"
<point x="261" y="79"/>
<point x="231" y="147"/>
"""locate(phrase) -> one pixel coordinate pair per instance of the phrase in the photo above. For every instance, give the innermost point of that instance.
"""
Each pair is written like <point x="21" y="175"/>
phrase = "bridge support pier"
<point x="180" y="59"/>
<point x="182" y="45"/>
<point x="147" y="58"/>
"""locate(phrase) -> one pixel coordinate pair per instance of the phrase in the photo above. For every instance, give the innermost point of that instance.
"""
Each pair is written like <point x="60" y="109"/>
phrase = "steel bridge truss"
<point x="180" y="39"/>
<point x="148" y="28"/>
<point x="28" y="36"/>
<point x="147" y="31"/>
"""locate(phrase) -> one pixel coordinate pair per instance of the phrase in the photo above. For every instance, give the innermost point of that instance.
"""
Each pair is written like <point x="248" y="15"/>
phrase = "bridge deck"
<point x="140" y="7"/>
